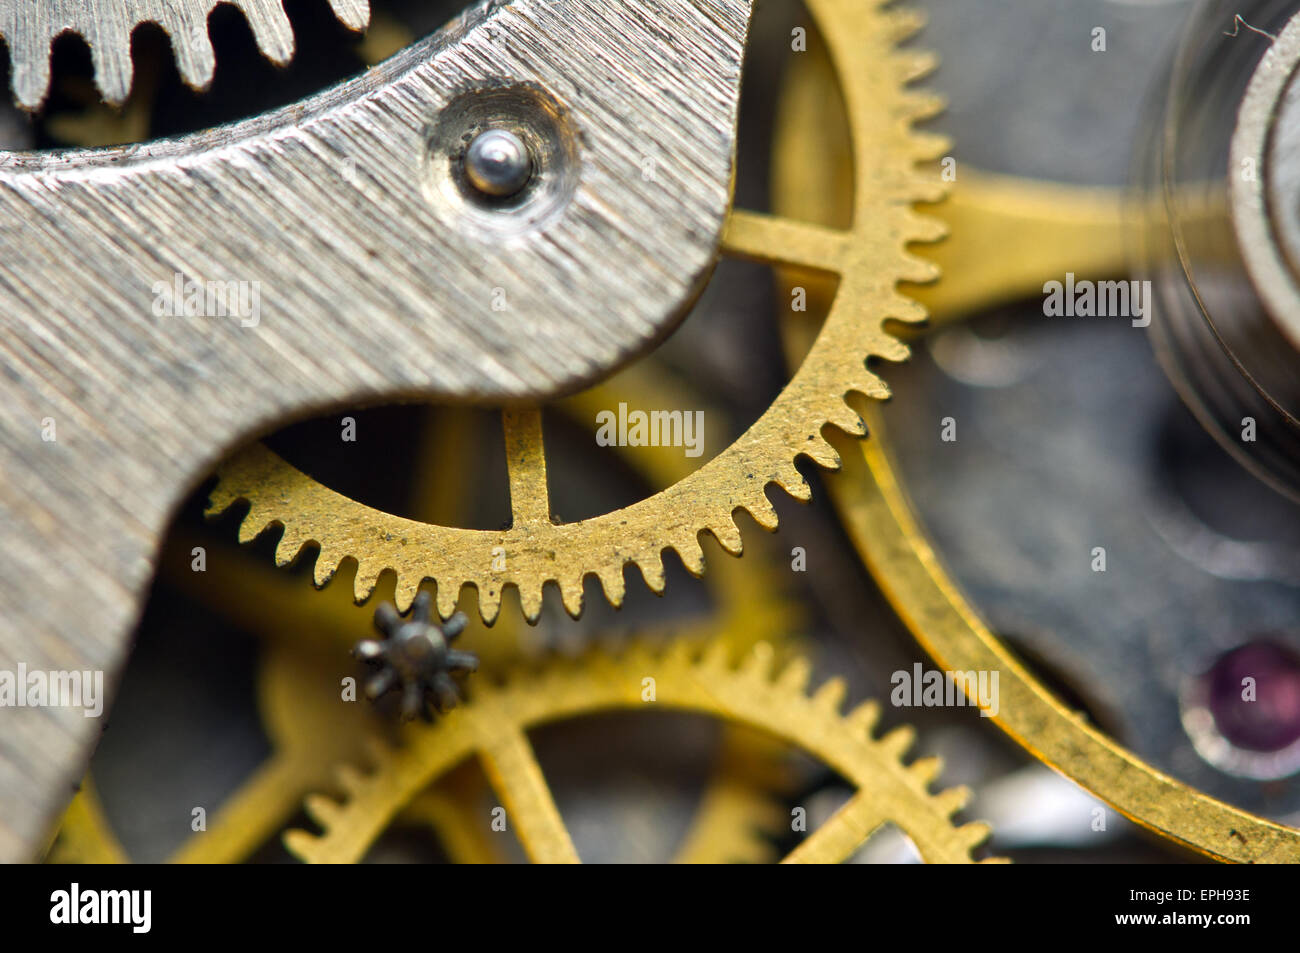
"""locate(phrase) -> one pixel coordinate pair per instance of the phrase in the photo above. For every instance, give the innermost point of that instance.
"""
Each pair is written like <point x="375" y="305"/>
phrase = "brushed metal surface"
<point x="375" y="282"/>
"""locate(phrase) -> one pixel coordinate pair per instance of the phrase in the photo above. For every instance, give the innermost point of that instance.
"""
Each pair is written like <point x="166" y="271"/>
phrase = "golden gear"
<point x="305" y="632"/>
<point x="869" y="257"/>
<point x="494" y="722"/>
<point x="1079" y="227"/>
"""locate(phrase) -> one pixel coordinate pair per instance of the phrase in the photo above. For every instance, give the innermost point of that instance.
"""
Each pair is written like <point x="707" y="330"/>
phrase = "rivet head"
<point x="497" y="163"/>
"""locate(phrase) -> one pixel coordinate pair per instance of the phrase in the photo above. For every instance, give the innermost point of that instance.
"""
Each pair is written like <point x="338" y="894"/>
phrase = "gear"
<point x="415" y="657"/>
<point x="106" y="25"/>
<point x="494" y="721"/>
<point x="869" y="257"/>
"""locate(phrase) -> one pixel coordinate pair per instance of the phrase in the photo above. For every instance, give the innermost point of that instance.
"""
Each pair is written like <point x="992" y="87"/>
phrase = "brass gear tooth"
<point x="830" y="696"/>
<point x="652" y="571"/>
<point x="571" y="595"/>
<point x="727" y="533"/>
<point x="446" y="598"/>
<point x="349" y="778"/>
<point x="820" y="452"/>
<point x="899" y="741"/>
<point x="289" y="547"/>
<point x="365" y="581"/>
<point x="325" y="811"/>
<point x="489" y="602"/>
<point x="306" y="847"/>
<point x="763" y="512"/>
<point x="716" y="657"/>
<point x="952" y="800"/>
<point x="903" y="23"/>
<point x="920" y="271"/>
<point x="759" y="662"/>
<point x="792" y="482"/>
<point x="327" y="566"/>
<point x="863" y="717"/>
<point x="921" y="228"/>
<point x="925" y="770"/>
<point x="612" y="584"/>
<point x="794" y="677"/>
<point x="976" y="834"/>
<point x="919" y="105"/>
<point x="914" y="65"/>
<point x="252" y="527"/>
<point x="690" y="551"/>
<point x="848" y="420"/>
<point x="405" y="588"/>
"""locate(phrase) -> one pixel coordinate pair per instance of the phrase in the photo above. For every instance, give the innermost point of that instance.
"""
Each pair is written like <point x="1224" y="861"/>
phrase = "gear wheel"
<point x="106" y="25"/>
<point x="870" y="258"/>
<point x="493" y="725"/>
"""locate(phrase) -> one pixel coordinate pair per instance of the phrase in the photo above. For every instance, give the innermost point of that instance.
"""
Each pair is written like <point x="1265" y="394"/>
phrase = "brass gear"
<point x="869" y="257"/>
<point x="494" y="722"/>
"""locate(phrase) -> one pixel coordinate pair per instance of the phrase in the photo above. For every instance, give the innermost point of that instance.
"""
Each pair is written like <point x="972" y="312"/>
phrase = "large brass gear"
<point x="493" y="726"/>
<point x="869" y="257"/>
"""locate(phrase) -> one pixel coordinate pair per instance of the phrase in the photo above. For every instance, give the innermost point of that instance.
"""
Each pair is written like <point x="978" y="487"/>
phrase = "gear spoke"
<point x="530" y="500"/>
<point x="527" y="798"/>
<point x="846" y="831"/>
<point x="775" y="240"/>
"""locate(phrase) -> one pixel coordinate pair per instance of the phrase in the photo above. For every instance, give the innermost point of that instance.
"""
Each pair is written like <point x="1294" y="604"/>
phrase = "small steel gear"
<point x="870" y="258"/>
<point x="30" y="26"/>
<point x="494" y="722"/>
<point x="415" y="657"/>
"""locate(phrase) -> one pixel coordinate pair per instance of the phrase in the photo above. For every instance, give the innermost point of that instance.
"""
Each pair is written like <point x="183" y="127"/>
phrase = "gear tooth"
<point x="894" y="350"/>
<point x="30" y="58"/>
<point x="919" y="270"/>
<point x="367" y="577"/>
<point x="251" y="527"/>
<point x="327" y="564"/>
<point x="489" y="601"/>
<point x="728" y="536"/>
<point x="349" y="779"/>
<point x="652" y="571"/>
<point x="405" y="589"/>
<point x="763" y="512"/>
<point x="927" y="147"/>
<point x="822" y="453"/>
<point x="976" y="833"/>
<point x="302" y="845"/>
<point x="758" y="663"/>
<point x="863" y="718"/>
<point x="611" y="581"/>
<point x="447" y="596"/>
<point x="221" y="498"/>
<point x="192" y="49"/>
<point x="353" y="14"/>
<point x="679" y="654"/>
<point x="903" y="308"/>
<point x="273" y="32"/>
<point x="899" y="741"/>
<point x="925" y="770"/>
<point x="111" y="56"/>
<point x="847" y="419"/>
<point x="288" y="548"/>
<point x="952" y="800"/>
<point x="792" y="481"/>
<point x="717" y="656"/>
<point x="794" y="677"/>
<point x="915" y="64"/>
<point x="925" y="228"/>
<point x="322" y="810"/>
<point x="692" y="555"/>
<point x="571" y="595"/>
<point x="830" y="697"/>
<point x="918" y="105"/>
<point x="902" y="23"/>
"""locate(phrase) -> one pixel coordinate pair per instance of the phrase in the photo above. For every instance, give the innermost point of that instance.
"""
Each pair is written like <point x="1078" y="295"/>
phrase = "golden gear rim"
<point x="870" y="258"/>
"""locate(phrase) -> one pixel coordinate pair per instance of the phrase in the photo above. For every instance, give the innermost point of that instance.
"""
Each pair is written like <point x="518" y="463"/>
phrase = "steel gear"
<point x="106" y="25"/>
<point x="415" y="658"/>
<point x="870" y="258"/>
<point x="493" y="725"/>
